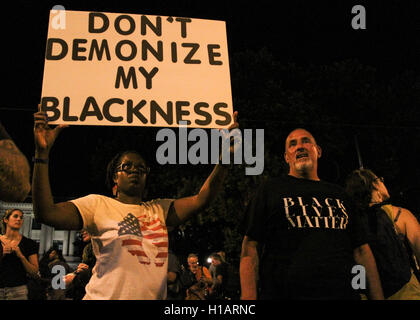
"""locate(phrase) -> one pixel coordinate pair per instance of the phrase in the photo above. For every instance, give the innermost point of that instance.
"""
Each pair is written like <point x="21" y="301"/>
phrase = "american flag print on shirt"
<point x="135" y="231"/>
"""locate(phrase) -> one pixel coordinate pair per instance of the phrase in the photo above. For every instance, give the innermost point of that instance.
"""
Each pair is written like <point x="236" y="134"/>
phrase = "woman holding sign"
<point x="129" y="236"/>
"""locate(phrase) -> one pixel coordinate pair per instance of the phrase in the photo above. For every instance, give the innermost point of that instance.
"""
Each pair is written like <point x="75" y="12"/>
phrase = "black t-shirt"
<point x="12" y="271"/>
<point x="174" y="291"/>
<point x="221" y="270"/>
<point x="306" y="235"/>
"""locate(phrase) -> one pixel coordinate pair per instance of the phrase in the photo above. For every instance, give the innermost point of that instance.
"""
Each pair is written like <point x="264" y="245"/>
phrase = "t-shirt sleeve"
<point x="253" y="224"/>
<point x="86" y="206"/>
<point x="165" y="204"/>
<point x="221" y="269"/>
<point x="32" y="248"/>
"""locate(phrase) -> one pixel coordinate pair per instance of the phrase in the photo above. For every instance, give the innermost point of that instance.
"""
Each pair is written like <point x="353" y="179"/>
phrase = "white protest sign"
<point x="136" y="70"/>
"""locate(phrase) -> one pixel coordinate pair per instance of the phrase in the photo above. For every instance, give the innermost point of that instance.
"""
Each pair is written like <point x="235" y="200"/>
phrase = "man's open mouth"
<point x="302" y="155"/>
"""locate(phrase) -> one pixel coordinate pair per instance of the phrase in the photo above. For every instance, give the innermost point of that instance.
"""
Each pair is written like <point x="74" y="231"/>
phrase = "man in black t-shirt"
<point x="301" y="238"/>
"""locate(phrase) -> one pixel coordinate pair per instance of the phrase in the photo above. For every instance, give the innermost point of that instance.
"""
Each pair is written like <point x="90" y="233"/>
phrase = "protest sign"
<point x="136" y="70"/>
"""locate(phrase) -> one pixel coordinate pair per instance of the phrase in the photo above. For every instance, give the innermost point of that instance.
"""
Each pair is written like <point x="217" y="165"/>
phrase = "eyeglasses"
<point x="382" y="179"/>
<point x="128" y="167"/>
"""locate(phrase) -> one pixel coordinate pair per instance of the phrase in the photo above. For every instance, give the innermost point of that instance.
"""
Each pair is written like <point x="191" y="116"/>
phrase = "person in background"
<point x="77" y="280"/>
<point x="19" y="258"/>
<point x="218" y="271"/>
<point x="394" y="232"/>
<point x="196" y="280"/>
<point x="174" y="275"/>
<point x="14" y="170"/>
<point x="48" y="270"/>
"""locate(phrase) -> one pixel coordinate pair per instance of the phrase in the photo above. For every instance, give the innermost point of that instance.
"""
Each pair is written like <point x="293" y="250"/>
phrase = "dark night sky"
<point x="305" y="32"/>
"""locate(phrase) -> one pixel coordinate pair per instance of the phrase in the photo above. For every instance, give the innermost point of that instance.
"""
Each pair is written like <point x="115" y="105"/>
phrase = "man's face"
<point x="302" y="152"/>
<point x="193" y="264"/>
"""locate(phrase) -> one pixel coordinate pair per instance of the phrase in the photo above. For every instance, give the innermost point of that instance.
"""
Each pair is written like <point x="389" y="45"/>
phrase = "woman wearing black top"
<point x="19" y="257"/>
<point x="390" y="229"/>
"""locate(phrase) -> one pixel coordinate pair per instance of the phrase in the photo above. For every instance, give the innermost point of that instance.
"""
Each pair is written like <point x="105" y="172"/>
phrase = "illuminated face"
<point x="130" y="175"/>
<point x="381" y="189"/>
<point x="15" y="220"/>
<point x="302" y="152"/>
<point x="215" y="262"/>
<point x="193" y="264"/>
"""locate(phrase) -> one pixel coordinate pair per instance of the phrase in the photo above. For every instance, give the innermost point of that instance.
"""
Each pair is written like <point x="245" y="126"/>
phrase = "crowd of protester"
<point x="356" y="224"/>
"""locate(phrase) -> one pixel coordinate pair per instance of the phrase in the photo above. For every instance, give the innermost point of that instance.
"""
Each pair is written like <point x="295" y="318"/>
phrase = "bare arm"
<point x="171" y="276"/>
<point x="249" y="269"/>
<point x="64" y="215"/>
<point x="412" y="231"/>
<point x="30" y="264"/>
<point x="364" y="256"/>
<point x="14" y="170"/>
<point x="185" y="207"/>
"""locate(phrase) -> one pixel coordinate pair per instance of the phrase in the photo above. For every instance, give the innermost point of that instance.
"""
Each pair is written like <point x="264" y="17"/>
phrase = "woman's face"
<point x="52" y="254"/>
<point x="15" y="220"/>
<point x="130" y="176"/>
<point x="381" y="188"/>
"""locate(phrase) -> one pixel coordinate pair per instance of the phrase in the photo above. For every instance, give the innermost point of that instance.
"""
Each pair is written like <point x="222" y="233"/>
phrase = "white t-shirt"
<point x="130" y="243"/>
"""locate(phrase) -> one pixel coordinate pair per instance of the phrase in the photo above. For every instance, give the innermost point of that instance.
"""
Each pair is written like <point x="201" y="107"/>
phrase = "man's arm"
<point x="249" y="269"/>
<point x="364" y="256"/>
<point x="14" y="170"/>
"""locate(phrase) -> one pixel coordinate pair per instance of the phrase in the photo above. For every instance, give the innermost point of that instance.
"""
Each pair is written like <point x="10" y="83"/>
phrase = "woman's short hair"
<point x="359" y="187"/>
